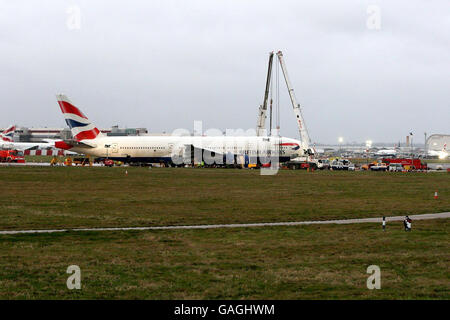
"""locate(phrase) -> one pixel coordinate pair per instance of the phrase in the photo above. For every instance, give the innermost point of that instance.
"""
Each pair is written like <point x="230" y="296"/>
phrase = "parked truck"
<point x="380" y="166"/>
<point x="302" y="163"/>
<point x="408" y="164"/>
<point x="12" y="156"/>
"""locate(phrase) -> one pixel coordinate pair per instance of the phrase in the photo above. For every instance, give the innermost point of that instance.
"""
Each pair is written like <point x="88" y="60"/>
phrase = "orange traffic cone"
<point x="435" y="194"/>
<point x="126" y="172"/>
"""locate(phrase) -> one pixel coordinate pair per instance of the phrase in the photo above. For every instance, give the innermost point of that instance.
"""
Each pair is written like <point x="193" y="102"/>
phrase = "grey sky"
<point x="164" y="64"/>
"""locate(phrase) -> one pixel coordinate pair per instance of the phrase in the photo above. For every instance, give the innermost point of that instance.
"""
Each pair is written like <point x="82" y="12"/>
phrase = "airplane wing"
<point x="88" y="144"/>
<point x="67" y="144"/>
<point x="30" y="147"/>
<point x="212" y="152"/>
<point x="21" y="147"/>
<point x="237" y="154"/>
<point x="50" y="140"/>
<point x="193" y="150"/>
<point x="229" y="157"/>
<point x="84" y="144"/>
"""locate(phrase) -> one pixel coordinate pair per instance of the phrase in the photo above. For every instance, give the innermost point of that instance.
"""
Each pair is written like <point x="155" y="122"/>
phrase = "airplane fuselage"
<point x="162" y="148"/>
<point x="386" y="152"/>
<point x="25" y="145"/>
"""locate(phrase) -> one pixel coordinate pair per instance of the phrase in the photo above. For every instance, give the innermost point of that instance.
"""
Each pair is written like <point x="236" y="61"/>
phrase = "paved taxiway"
<point x="426" y="216"/>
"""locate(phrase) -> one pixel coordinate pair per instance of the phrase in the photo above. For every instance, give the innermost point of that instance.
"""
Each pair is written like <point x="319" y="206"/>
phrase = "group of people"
<point x="407" y="223"/>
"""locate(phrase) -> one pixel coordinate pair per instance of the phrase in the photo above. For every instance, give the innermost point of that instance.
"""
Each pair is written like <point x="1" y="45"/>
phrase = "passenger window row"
<point x="141" y="148"/>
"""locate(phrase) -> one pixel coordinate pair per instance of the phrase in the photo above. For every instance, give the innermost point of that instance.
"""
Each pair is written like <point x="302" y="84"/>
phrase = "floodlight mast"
<point x="261" y="123"/>
<point x="297" y="111"/>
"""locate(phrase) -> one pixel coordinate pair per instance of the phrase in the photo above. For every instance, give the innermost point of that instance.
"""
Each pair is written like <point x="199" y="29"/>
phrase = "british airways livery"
<point x="7" y="141"/>
<point x="8" y="134"/>
<point x="87" y="139"/>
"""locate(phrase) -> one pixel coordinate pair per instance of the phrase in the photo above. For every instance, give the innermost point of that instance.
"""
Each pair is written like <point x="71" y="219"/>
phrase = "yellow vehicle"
<point x="54" y="161"/>
<point x="82" y="161"/>
<point x="367" y="166"/>
<point x="68" y="161"/>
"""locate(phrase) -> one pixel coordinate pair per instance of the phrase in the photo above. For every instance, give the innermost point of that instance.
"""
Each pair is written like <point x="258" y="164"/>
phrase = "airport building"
<point x="25" y="134"/>
<point x="437" y="142"/>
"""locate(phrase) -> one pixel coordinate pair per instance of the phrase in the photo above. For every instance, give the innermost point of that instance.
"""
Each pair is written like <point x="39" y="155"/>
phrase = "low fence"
<point x="45" y="152"/>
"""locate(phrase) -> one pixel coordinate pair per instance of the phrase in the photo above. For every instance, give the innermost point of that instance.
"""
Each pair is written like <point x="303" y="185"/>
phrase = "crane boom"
<point x="261" y="123"/>
<point x="297" y="111"/>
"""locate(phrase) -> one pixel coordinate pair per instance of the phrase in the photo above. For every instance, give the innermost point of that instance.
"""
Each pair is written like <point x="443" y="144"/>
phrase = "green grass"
<point x="362" y="161"/>
<point x="302" y="262"/>
<point x="307" y="262"/>
<point x="93" y="197"/>
<point x="447" y="160"/>
<point x="42" y="158"/>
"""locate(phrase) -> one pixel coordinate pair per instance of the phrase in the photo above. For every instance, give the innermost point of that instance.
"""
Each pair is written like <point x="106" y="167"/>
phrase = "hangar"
<point x="438" y="142"/>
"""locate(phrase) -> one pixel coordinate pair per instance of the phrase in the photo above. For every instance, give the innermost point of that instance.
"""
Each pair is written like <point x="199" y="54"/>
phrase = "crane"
<point x="261" y="123"/>
<point x="306" y="141"/>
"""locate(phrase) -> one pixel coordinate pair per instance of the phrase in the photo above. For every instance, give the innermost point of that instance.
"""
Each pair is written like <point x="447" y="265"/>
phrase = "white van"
<point x="396" y="167"/>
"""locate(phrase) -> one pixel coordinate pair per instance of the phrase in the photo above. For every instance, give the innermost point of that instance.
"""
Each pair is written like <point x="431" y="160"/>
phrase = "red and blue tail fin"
<point x="8" y="134"/>
<point x="81" y="127"/>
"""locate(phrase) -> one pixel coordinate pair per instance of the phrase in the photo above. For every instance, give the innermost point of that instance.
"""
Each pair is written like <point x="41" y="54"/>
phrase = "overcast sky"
<point x="164" y="64"/>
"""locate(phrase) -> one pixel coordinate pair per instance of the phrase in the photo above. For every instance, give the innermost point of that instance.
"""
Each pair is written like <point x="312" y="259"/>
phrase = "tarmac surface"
<point x="426" y="216"/>
<point x="433" y="167"/>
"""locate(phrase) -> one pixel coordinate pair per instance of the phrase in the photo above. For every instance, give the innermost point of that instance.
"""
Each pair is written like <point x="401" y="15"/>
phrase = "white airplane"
<point x="7" y="142"/>
<point x="442" y="154"/>
<point x="386" y="153"/>
<point x="172" y="150"/>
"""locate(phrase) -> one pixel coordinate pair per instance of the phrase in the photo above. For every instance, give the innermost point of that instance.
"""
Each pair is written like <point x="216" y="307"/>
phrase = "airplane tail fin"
<point x="81" y="127"/>
<point x="8" y="134"/>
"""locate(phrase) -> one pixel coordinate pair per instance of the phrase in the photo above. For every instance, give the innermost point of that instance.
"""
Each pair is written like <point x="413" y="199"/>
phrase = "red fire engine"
<point x="412" y="164"/>
<point x="12" y="156"/>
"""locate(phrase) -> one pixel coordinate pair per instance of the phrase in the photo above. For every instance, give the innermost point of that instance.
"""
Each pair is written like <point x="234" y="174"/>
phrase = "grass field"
<point x="307" y="262"/>
<point x="92" y="197"/>
<point x="42" y="158"/>
<point x="361" y="161"/>
<point x="354" y="160"/>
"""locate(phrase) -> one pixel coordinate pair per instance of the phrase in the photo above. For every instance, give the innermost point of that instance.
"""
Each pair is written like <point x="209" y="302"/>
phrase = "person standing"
<point x="408" y="223"/>
<point x="384" y="223"/>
